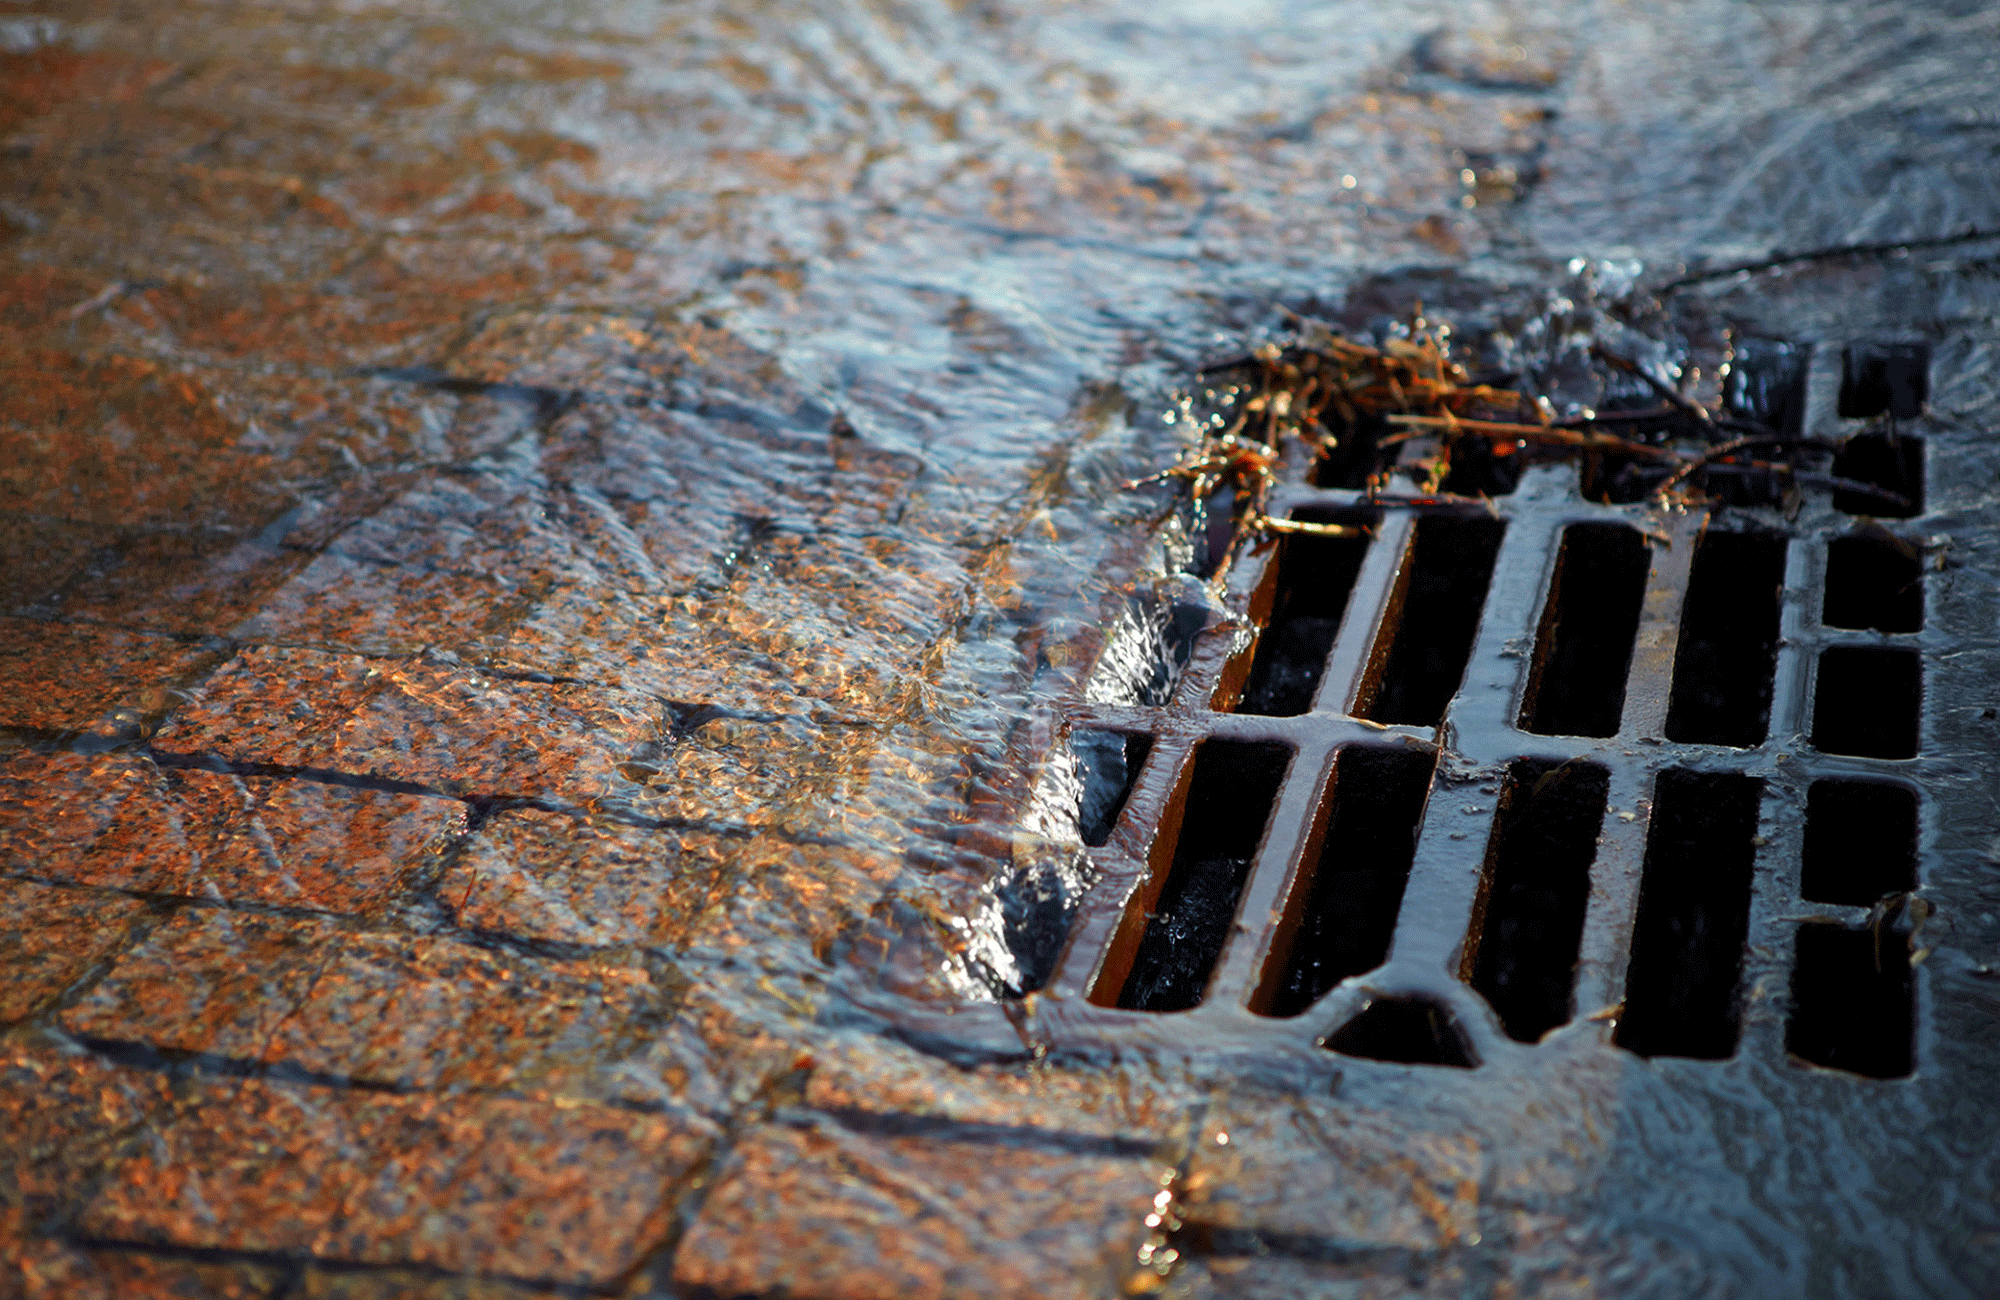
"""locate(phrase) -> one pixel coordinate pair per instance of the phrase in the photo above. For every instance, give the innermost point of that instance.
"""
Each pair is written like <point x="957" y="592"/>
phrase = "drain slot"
<point x="1766" y="382"/>
<point x="1867" y="702"/>
<point x="1584" y="647"/>
<point x="1230" y="796"/>
<point x="1315" y="578"/>
<point x="1348" y="914"/>
<point x="1405" y="1031"/>
<point x="1852" y="996"/>
<point x="1349" y="456"/>
<point x="1482" y="469"/>
<point x="1694" y="914"/>
<point x="1873" y="582"/>
<point x="1529" y="920"/>
<point x="1729" y="641"/>
<point x="1891" y="462"/>
<point x="1107" y="762"/>
<point x="1860" y="842"/>
<point x="1892" y="379"/>
<point x="1436" y="615"/>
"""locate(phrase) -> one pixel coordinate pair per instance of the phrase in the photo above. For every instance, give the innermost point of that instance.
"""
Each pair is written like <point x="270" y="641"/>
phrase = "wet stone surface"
<point x="569" y="1194"/>
<point x="547" y="553"/>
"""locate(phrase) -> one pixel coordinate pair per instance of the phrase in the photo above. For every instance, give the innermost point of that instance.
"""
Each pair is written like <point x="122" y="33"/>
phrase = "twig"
<point x="1435" y="499"/>
<point x="1729" y="449"/>
<point x="1536" y="433"/>
<point x="1271" y="524"/>
<point x="1667" y="391"/>
<point x="1619" y="417"/>
<point x="1813" y="477"/>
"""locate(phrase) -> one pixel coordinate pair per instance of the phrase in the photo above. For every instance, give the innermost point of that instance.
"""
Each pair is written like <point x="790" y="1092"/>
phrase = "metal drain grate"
<point x="1484" y="775"/>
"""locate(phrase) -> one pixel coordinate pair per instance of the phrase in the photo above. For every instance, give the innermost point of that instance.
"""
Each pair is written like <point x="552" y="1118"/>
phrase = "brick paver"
<point x="308" y="844"/>
<point x="50" y="936"/>
<point x="90" y="819"/>
<point x="921" y="1216"/>
<point x="534" y="874"/>
<point x="115" y="821"/>
<point x="567" y="1194"/>
<point x="412" y="1011"/>
<point x="131" y="683"/>
<point x="49" y="1271"/>
<point x="440" y="725"/>
<point x="68" y="1115"/>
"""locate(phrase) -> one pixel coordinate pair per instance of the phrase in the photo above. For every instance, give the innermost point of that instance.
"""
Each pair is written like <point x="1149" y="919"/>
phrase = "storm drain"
<point x="1546" y="766"/>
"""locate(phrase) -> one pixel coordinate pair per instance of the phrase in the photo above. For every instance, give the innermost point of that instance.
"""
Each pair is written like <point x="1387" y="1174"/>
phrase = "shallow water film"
<point x="586" y="709"/>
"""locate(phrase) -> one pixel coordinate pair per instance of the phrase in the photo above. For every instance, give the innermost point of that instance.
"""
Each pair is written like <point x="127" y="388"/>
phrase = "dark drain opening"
<point x="1108" y="763"/>
<point x="1873" y="582"/>
<point x="1860" y="842"/>
<point x="1315" y="578"/>
<point x="1851" y="1000"/>
<point x="1619" y="480"/>
<point x="1405" y="1031"/>
<point x="1694" y="914"/>
<point x="1529" y="920"/>
<point x="1230" y="795"/>
<point x="1767" y="383"/>
<point x="1480" y="469"/>
<point x="1344" y="916"/>
<point x="1436" y="615"/>
<point x="1584" y="647"/>
<point x="1728" y="642"/>
<point x="1890" y="461"/>
<point x="1867" y="702"/>
<point x="1350" y="460"/>
<point x="1892" y="379"/>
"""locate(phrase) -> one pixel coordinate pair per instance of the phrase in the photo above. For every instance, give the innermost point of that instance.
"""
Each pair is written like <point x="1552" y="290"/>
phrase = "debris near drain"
<point x="1410" y="426"/>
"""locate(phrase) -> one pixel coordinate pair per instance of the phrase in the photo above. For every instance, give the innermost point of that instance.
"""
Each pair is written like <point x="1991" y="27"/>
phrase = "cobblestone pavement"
<point x="537" y="542"/>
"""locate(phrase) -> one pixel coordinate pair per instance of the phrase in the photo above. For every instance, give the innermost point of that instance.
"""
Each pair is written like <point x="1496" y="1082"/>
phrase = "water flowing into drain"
<point x="1585" y="644"/>
<point x="1682" y="993"/>
<point x="1348" y="907"/>
<point x="1529" y="920"/>
<point x="1729" y="641"/>
<point x="1435" y="614"/>
<point x="1228" y="802"/>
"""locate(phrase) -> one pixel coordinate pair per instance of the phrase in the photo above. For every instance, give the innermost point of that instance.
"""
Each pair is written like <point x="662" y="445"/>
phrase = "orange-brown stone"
<point x="413" y="1011"/>
<point x="571" y="1194"/>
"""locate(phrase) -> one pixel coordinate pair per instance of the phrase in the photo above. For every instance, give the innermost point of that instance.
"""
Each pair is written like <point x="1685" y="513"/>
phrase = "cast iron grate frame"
<point x="1477" y="741"/>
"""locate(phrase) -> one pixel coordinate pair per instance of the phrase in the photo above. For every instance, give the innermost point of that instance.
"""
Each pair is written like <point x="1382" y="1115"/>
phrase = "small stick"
<point x="1813" y="477"/>
<point x="1438" y="499"/>
<point x="1618" y="417"/>
<point x="1273" y="525"/>
<point x="1664" y="389"/>
<point x="1680" y="475"/>
<point x="1538" y="433"/>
